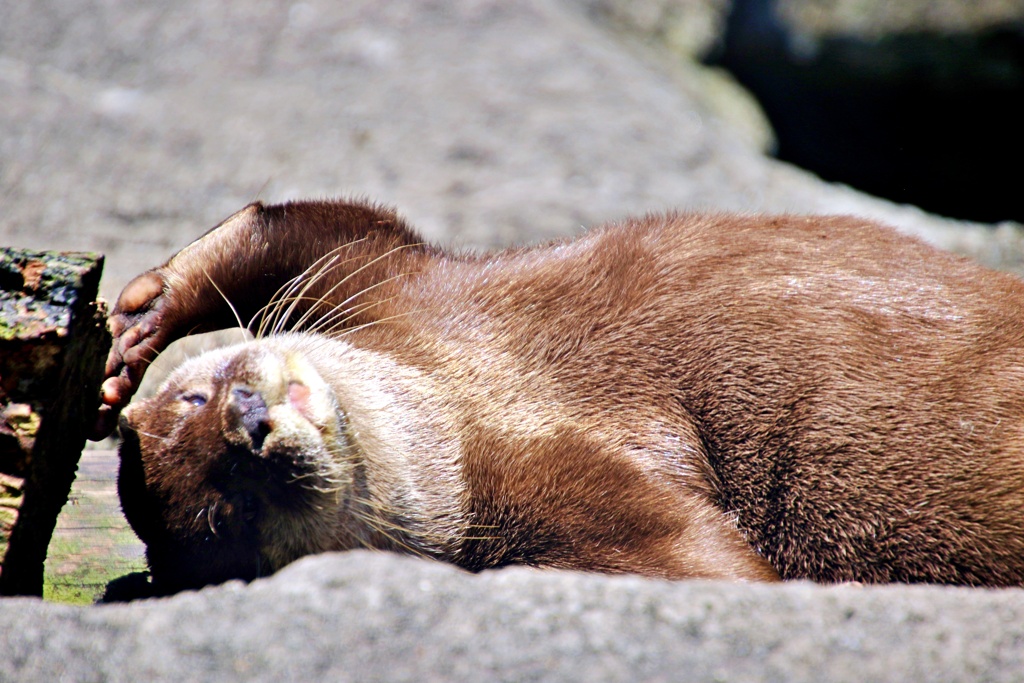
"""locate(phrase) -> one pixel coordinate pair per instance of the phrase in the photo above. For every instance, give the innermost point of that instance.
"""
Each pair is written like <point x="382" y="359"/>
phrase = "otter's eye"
<point x="194" y="398"/>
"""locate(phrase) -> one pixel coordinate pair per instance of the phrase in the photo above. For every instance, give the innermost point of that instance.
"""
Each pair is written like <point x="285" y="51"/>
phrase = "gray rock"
<point x="366" y="617"/>
<point x="679" y="33"/>
<point x="689" y="27"/>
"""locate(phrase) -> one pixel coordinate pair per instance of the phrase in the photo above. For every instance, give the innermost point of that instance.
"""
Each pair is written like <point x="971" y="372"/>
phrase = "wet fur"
<point x="679" y="395"/>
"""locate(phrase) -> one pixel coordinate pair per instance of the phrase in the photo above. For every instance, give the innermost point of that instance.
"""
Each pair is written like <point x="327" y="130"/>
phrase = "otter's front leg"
<point x="236" y="269"/>
<point x="225" y="276"/>
<point x="189" y="293"/>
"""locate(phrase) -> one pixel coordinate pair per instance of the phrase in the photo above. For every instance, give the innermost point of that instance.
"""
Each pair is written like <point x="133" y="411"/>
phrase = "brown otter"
<point x="679" y="395"/>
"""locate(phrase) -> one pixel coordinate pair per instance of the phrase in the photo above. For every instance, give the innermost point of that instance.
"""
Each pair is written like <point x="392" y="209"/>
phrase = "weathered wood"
<point x="10" y="501"/>
<point x="53" y="343"/>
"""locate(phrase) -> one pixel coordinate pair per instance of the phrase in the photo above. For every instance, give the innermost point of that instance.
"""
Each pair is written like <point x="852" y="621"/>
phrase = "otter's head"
<point x="237" y="466"/>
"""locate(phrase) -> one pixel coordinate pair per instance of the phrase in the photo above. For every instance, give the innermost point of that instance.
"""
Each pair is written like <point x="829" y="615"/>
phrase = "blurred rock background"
<point x="132" y="127"/>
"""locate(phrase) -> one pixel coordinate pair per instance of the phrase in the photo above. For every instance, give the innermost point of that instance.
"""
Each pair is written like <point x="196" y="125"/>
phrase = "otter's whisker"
<point x="314" y="271"/>
<point x="376" y="525"/>
<point x="277" y="309"/>
<point x="234" y="311"/>
<point x="355" y="272"/>
<point x="283" y="314"/>
<point x="263" y="187"/>
<point x="154" y="436"/>
<point x="344" y="280"/>
<point x="348" y="313"/>
<point x="382" y="522"/>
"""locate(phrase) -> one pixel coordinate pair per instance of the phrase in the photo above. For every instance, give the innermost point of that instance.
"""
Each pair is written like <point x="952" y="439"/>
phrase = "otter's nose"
<point x="253" y="413"/>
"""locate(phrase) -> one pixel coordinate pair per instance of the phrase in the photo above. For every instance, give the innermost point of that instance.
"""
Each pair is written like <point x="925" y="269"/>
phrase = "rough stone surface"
<point x="689" y="27"/>
<point x="678" y="33"/>
<point x="132" y="127"/>
<point x="366" y="617"/>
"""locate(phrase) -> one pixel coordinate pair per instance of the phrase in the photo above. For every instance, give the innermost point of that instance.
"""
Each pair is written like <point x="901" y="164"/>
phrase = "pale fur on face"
<point x="364" y="413"/>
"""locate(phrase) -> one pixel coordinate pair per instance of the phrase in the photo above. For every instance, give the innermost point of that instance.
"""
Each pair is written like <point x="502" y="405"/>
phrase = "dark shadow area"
<point x="935" y="120"/>
<point x="134" y="586"/>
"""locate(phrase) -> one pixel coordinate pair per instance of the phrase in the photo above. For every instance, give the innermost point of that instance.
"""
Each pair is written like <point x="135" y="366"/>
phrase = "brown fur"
<point x="680" y="395"/>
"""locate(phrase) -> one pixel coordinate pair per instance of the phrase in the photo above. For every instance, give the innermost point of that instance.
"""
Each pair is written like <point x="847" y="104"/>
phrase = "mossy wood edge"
<point x="53" y="344"/>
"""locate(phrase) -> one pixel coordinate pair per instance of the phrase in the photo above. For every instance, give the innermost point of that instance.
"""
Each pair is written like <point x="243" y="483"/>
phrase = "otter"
<point x="679" y="395"/>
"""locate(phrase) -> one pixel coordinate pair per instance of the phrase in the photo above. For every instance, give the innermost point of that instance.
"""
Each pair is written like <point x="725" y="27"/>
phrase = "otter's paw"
<point x="138" y="325"/>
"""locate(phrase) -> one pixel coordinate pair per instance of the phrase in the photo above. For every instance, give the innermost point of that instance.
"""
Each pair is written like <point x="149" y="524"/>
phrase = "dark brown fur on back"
<point x="677" y="395"/>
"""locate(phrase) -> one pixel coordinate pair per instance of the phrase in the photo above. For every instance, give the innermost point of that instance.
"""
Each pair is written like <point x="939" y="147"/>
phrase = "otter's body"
<point x="680" y="396"/>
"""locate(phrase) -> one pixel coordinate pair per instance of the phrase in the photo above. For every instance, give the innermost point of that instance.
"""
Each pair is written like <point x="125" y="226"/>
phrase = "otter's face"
<point x="236" y="467"/>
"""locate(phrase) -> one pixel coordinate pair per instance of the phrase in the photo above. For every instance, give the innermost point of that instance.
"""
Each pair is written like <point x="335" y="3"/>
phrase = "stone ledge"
<point x="375" y="616"/>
